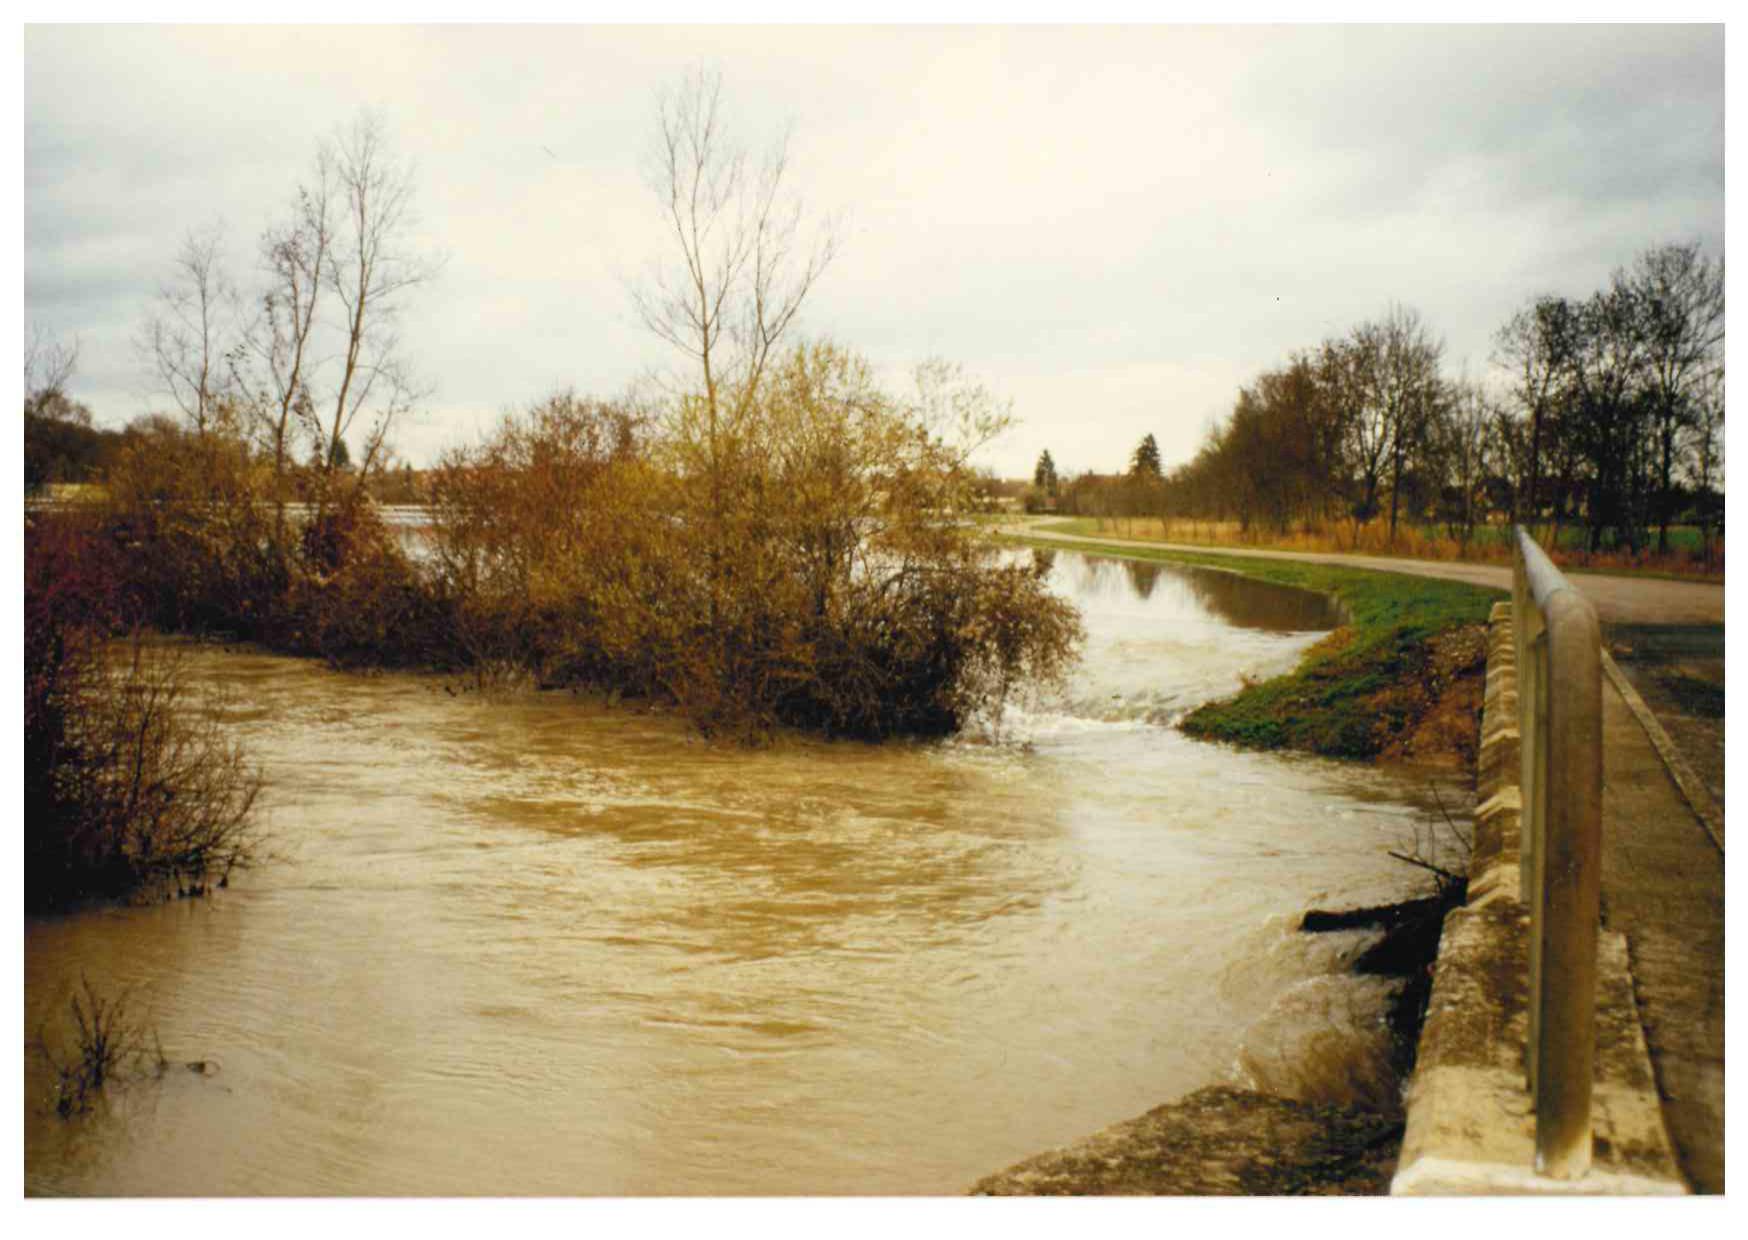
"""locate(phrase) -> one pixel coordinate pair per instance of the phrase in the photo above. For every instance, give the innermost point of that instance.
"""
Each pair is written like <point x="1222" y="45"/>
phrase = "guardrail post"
<point x="1559" y="669"/>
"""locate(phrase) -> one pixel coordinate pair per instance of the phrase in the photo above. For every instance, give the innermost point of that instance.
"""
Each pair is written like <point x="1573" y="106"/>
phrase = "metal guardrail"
<point x="1559" y="706"/>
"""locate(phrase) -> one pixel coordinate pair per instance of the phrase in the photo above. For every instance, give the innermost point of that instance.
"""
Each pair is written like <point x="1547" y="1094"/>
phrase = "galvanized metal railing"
<point x="1559" y="707"/>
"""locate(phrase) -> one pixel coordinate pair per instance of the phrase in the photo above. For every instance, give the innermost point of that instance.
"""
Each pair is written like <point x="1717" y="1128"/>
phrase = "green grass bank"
<point x="1401" y="679"/>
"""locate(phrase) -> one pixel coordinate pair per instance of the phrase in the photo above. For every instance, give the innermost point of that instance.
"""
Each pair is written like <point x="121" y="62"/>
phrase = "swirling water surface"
<point x="525" y="944"/>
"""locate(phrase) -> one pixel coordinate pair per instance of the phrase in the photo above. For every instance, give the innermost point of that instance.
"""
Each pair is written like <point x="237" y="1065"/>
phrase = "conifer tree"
<point x="1145" y="463"/>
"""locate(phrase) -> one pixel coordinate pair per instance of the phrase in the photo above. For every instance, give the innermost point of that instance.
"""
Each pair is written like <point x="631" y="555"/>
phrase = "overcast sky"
<point x="1114" y="227"/>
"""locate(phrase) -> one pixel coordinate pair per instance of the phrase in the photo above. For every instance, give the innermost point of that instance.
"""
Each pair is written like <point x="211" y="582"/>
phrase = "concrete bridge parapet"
<point x="1471" y="1117"/>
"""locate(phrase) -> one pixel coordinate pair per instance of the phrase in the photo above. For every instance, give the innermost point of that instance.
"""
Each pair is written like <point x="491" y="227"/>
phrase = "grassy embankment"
<point x="1402" y="678"/>
<point x="1685" y="560"/>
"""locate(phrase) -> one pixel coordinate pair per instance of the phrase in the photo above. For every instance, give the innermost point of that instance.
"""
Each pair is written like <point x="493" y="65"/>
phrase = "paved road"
<point x="1618" y="600"/>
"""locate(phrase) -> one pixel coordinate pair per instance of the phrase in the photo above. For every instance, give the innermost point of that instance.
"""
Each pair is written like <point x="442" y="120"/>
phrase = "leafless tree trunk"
<point x="1610" y="414"/>
<point x="1679" y="295"/>
<point x="369" y="266"/>
<point x="1707" y="465"/>
<point x="1533" y="345"/>
<point x="740" y="272"/>
<point x="191" y="339"/>
<point x="49" y="363"/>
<point x="295" y="259"/>
<point x="1406" y="384"/>
<point x="1509" y="449"/>
<point x="744" y="270"/>
<point x="1346" y="370"/>
<point x="1468" y="426"/>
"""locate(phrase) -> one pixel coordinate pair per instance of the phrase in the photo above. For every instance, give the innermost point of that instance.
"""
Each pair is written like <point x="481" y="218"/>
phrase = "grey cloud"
<point x="1114" y="226"/>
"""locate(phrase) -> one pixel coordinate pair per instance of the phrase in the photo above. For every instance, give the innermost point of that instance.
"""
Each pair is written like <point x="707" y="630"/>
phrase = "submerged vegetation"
<point x="127" y="790"/>
<point x="817" y="573"/>
<point x="105" y="1042"/>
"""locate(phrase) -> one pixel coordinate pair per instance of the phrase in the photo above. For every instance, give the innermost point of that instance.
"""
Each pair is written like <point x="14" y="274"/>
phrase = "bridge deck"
<point x="1663" y="888"/>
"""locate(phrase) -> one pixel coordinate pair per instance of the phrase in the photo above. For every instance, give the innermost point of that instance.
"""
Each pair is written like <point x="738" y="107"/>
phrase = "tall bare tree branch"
<point x="294" y="256"/>
<point x="370" y="264"/>
<point x="49" y="363"/>
<point x="191" y="340"/>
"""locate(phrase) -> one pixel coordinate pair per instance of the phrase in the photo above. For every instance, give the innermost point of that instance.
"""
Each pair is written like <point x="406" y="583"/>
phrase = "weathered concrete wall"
<point x="1471" y="1125"/>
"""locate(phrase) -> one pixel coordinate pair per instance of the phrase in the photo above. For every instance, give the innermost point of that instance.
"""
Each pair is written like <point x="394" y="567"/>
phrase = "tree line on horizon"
<point x="1604" y="414"/>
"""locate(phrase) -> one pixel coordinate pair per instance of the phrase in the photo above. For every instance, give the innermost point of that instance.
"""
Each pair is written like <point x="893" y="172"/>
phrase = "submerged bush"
<point x="543" y="541"/>
<point x="354" y="598"/>
<point x="800" y="555"/>
<point x="127" y="789"/>
<point x="104" y="1043"/>
<point x="188" y="513"/>
<point x="802" y="561"/>
<point x="213" y="541"/>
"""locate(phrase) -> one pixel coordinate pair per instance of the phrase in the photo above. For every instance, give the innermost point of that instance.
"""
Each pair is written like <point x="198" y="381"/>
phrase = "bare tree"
<point x="742" y="269"/>
<point x="738" y="275"/>
<point x="49" y="364"/>
<point x="190" y="340"/>
<point x="1345" y="368"/>
<point x="1706" y="467"/>
<point x="1679" y="295"/>
<point x="1465" y="432"/>
<point x="370" y="265"/>
<point x="1610" y="412"/>
<point x="1407" y="388"/>
<point x="294" y="257"/>
<point x="1508" y="449"/>
<point x="1534" y="346"/>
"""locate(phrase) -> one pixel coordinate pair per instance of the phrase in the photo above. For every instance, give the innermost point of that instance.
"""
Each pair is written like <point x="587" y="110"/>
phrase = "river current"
<point x="526" y="943"/>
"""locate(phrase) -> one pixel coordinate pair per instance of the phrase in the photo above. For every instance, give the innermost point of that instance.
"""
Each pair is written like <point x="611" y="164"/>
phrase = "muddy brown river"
<point x="528" y="944"/>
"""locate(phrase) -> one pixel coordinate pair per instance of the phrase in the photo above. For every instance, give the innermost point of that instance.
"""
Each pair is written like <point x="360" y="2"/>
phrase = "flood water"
<point x="526" y="944"/>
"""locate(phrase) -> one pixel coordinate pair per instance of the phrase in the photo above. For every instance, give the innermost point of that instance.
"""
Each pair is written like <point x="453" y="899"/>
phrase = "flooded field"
<point x="529" y="944"/>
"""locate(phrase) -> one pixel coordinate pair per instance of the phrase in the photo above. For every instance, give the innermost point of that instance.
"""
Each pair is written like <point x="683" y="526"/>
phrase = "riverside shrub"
<point x="805" y="562"/>
<point x="210" y="544"/>
<point x="198" y="543"/>
<point x="126" y="789"/>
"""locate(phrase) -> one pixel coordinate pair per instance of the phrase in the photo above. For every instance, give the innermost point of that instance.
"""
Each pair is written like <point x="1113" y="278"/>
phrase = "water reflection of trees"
<point x="1089" y="572"/>
<point x="1043" y="560"/>
<point x="1253" y="604"/>
<point x="1243" y="602"/>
